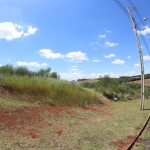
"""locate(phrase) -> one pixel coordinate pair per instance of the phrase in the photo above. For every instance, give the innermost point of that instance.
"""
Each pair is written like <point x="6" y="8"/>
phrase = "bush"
<point x="7" y="69"/>
<point x="114" y="88"/>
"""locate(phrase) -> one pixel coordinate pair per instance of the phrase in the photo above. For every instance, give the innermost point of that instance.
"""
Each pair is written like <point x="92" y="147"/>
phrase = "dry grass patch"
<point x="95" y="128"/>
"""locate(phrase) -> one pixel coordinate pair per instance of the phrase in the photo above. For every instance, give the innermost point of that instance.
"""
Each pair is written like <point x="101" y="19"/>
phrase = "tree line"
<point x="24" y="71"/>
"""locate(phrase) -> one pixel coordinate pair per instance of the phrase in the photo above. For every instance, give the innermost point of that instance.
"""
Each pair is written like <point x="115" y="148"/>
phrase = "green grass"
<point x="84" y="129"/>
<point x="9" y="102"/>
<point x="87" y="81"/>
<point x="145" y="136"/>
<point x="48" y="91"/>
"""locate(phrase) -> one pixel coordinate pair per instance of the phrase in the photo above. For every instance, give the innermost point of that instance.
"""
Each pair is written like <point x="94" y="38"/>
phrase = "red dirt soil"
<point x="25" y="119"/>
<point x="123" y="144"/>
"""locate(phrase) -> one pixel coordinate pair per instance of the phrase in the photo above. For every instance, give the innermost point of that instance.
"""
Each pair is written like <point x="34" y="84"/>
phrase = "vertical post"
<point x="141" y="58"/>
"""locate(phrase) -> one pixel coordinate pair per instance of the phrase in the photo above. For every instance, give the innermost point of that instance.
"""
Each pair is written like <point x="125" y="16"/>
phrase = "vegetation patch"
<point x="48" y="91"/>
<point x="116" y="89"/>
<point x="51" y="127"/>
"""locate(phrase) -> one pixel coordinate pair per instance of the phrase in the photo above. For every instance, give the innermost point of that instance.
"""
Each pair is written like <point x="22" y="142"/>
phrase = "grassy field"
<point x="147" y="82"/>
<point x="44" y="113"/>
<point x="88" y="81"/>
<point x="43" y="90"/>
<point x="109" y="126"/>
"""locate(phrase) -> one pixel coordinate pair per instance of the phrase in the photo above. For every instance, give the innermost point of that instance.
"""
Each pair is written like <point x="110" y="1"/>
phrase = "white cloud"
<point x="108" y="44"/>
<point x="95" y="60"/>
<point x="30" y="31"/>
<point x="109" y="56"/>
<point x="0" y="65"/>
<point x="47" y="53"/>
<point x="102" y="36"/>
<point x="95" y="75"/>
<point x="73" y="76"/>
<point x="31" y="64"/>
<point x="145" y="31"/>
<point x="76" y="56"/>
<point x="146" y="57"/>
<point x="137" y="65"/>
<point x="72" y="56"/>
<point x="129" y="57"/>
<point x="10" y="31"/>
<point x="96" y="42"/>
<point x="118" y="61"/>
<point x="8" y="59"/>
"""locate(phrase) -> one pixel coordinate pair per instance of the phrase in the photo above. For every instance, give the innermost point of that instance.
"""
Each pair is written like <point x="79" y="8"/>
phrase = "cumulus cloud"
<point x="118" y="61"/>
<point x="145" y="31"/>
<point x="73" y="75"/>
<point x="72" y="56"/>
<point x="109" y="56"/>
<point x="31" y="64"/>
<point x="129" y="57"/>
<point x="10" y="31"/>
<point x="76" y="56"/>
<point x="146" y="57"/>
<point x="30" y="31"/>
<point x="47" y="53"/>
<point x="108" y="44"/>
<point x="96" y="60"/>
<point x="102" y="36"/>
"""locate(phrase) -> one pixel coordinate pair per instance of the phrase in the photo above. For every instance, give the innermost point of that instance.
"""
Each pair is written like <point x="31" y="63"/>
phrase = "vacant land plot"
<point x="147" y="82"/>
<point x="108" y="126"/>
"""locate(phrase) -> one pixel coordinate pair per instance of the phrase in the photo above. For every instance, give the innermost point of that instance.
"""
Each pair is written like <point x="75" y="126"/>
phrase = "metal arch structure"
<point x="141" y="57"/>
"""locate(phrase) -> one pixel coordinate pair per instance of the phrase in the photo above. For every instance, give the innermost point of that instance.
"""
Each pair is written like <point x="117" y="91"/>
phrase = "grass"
<point x="6" y="102"/>
<point x="83" y="129"/>
<point x="87" y="81"/>
<point x="94" y="128"/>
<point x="48" y="91"/>
<point x="115" y="88"/>
<point x="145" y="138"/>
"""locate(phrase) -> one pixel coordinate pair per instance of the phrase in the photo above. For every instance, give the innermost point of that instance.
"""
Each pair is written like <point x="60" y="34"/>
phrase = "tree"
<point x="7" y="69"/>
<point x="55" y="75"/>
<point x="22" y="71"/>
<point x="44" y="72"/>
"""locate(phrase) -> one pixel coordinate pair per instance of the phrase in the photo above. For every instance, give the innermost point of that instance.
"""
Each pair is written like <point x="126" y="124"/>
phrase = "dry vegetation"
<point x="109" y="126"/>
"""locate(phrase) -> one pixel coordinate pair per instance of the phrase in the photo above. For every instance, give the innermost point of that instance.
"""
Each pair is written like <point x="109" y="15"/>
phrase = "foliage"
<point x="7" y="69"/>
<point x="21" y="71"/>
<point x="44" y="72"/>
<point x="44" y="90"/>
<point x="24" y="71"/>
<point x="115" y="88"/>
<point x="54" y="75"/>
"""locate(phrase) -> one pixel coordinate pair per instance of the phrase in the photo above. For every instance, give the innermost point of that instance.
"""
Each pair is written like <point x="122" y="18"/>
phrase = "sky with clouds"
<point x="76" y="38"/>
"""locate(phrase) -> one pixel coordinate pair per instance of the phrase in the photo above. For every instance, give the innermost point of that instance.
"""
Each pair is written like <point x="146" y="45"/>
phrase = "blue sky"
<point x="76" y="38"/>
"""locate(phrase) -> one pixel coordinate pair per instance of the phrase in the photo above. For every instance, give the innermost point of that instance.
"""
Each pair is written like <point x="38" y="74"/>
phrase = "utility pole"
<point x="134" y="25"/>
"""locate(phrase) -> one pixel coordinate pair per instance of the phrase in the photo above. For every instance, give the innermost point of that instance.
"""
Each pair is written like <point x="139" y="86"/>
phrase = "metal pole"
<point x="141" y="58"/>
